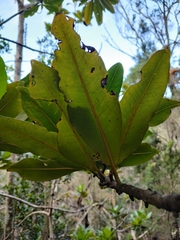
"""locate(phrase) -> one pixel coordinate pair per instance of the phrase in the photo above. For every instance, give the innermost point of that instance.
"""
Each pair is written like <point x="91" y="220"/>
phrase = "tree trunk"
<point x="19" y="49"/>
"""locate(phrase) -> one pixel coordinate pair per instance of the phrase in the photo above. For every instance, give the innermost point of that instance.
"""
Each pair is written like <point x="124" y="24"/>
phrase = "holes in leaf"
<point x="104" y="81"/>
<point x="92" y="69"/>
<point x="87" y="48"/>
<point x="67" y="18"/>
<point x="33" y="82"/>
<point x="68" y="100"/>
<point x="112" y="92"/>
<point x="96" y="156"/>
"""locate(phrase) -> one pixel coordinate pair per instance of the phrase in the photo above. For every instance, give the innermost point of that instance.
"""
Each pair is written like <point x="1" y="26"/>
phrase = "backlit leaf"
<point x="44" y="85"/>
<point x="115" y="79"/>
<point x="141" y="101"/>
<point x="93" y="112"/>
<point x="43" y="113"/>
<point x="10" y="104"/>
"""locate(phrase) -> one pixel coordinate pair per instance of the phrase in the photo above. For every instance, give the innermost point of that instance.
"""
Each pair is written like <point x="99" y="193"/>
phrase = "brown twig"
<point x="32" y="49"/>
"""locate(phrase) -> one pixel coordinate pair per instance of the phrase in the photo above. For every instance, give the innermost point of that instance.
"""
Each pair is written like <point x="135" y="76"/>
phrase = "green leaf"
<point x="141" y="101"/>
<point x="44" y="85"/>
<point x="32" y="138"/>
<point x="26" y="80"/>
<point x="163" y="111"/>
<point x="88" y="13"/>
<point x="93" y="112"/>
<point x="11" y="148"/>
<point x="115" y="79"/>
<point x="40" y="170"/>
<point x="43" y="113"/>
<point x="98" y="12"/>
<point x="107" y="5"/>
<point x="10" y="104"/>
<point x="30" y="12"/>
<point x="3" y="78"/>
<point x="143" y="154"/>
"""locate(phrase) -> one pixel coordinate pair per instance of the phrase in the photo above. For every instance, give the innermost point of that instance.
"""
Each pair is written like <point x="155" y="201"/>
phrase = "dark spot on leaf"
<point x="104" y="81"/>
<point x="141" y="72"/>
<point x="92" y="69"/>
<point x="112" y="92"/>
<point x="32" y="76"/>
<point x="85" y="23"/>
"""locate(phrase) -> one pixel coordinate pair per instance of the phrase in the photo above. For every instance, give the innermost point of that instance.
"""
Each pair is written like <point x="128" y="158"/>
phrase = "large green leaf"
<point x="143" y="154"/>
<point x="3" y="78"/>
<point x="33" y="138"/>
<point x="39" y="170"/>
<point x="93" y="112"/>
<point x="42" y="113"/>
<point x="141" y="101"/>
<point x="163" y="111"/>
<point x="44" y="85"/>
<point x="10" y="104"/>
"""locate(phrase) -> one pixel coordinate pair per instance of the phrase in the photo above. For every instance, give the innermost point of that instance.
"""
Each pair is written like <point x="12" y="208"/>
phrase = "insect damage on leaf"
<point x="87" y="48"/>
<point x="104" y="81"/>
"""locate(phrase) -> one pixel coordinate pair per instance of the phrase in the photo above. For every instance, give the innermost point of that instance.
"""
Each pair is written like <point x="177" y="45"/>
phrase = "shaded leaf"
<point x="44" y="85"/>
<point x="11" y="148"/>
<point x="141" y="101"/>
<point x="3" y="78"/>
<point x="163" y="111"/>
<point x="98" y="12"/>
<point x="143" y="154"/>
<point x="107" y="5"/>
<point x="43" y="113"/>
<point x="32" y="138"/>
<point x="10" y="104"/>
<point x="94" y="114"/>
<point x="88" y="12"/>
<point x="115" y="79"/>
<point x="39" y="170"/>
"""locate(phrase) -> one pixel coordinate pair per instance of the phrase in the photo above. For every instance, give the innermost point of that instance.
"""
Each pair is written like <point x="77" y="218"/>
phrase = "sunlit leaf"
<point x="143" y="154"/>
<point x="93" y="112"/>
<point x="40" y="170"/>
<point x="3" y="78"/>
<point x="141" y="101"/>
<point x="44" y="85"/>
